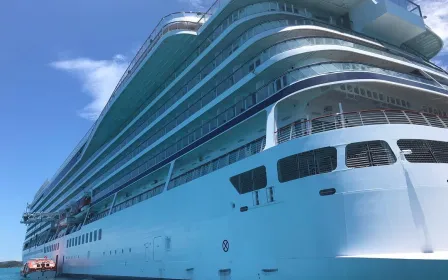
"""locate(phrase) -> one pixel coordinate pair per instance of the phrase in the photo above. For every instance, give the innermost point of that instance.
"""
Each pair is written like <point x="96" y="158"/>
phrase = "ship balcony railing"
<point x="165" y="25"/>
<point x="165" y="129"/>
<point x="243" y="12"/>
<point x="138" y="198"/>
<point x="104" y="186"/>
<point x="409" y="6"/>
<point x="216" y="6"/>
<point x="355" y="119"/>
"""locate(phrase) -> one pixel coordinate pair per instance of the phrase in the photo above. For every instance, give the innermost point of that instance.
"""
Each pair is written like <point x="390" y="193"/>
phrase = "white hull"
<point x="376" y="226"/>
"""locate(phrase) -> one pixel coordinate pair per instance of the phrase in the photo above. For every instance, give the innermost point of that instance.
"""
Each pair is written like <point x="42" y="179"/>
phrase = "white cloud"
<point x="198" y="5"/>
<point x="98" y="79"/>
<point x="437" y="17"/>
<point x="441" y="63"/>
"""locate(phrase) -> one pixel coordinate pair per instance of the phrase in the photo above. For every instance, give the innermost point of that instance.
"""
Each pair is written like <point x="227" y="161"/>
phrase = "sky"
<point x="59" y="63"/>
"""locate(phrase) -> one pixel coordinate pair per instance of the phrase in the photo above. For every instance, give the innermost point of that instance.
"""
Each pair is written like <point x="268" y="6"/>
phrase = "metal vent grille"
<point x="424" y="151"/>
<point x="306" y="164"/>
<point x="367" y="154"/>
<point x="251" y="180"/>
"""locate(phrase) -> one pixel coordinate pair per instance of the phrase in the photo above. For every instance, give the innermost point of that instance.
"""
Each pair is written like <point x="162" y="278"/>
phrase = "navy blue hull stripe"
<point x="301" y="85"/>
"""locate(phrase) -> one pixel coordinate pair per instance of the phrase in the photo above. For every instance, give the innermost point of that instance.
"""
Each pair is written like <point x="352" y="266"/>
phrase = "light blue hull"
<point x="386" y="222"/>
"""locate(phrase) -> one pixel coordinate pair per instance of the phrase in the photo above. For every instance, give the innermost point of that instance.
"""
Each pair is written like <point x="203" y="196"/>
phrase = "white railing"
<point x="354" y="119"/>
<point x="168" y="23"/>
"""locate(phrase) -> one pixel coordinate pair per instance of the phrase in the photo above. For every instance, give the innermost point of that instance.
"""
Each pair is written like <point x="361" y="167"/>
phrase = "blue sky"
<point x="60" y="60"/>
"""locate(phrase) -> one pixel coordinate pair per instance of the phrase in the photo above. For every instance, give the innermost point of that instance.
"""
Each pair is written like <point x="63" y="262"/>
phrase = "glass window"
<point x="424" y="151"/>
<point x="368" y="154"/>
<point x="99" y="234"/>
<point x="306" y="164"/>
<point x="95" y="235"/>
<point x="87" y="237"/>
<point x="82" y="240"/>
<point x="278" y="85"/>
<point x="251" y="180"/>
<point x="91" y="235"/>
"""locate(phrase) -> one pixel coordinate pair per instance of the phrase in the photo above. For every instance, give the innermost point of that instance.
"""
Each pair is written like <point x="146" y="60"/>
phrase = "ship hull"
<point x="383" y="222"/>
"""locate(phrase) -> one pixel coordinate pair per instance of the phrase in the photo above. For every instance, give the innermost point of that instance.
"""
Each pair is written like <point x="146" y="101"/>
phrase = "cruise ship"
<point x="296" y="139"/>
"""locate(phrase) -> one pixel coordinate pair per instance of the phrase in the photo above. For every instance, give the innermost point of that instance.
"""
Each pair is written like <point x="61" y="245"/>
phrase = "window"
<point x="94" y="235"/>
<point x="251" y="180"/>
<point x="306" y="164"/>
<point x="79" y="240"/>
<point x="90" y="239"/>
<point x="82" y="240"/>
<point x="367" y="154"/>
<point x="76" y="241"/>
<point x="87" y="237"/>
<point x="68" y="243"/>
<point x="424" y="151"/>
<point x="99" y="234"/>
<point x="278" y="85"/>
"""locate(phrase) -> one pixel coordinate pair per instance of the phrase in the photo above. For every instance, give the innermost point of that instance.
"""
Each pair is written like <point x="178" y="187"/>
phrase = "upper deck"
<point x="379" y="20"/>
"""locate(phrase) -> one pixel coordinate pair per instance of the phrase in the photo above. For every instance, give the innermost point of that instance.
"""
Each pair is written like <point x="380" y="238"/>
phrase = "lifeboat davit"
<point x="39" y="269"/>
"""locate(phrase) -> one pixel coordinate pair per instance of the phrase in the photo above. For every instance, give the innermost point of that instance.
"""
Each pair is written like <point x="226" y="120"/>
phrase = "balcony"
<point x="394" y="21"/>
<point x="356" y="119"/>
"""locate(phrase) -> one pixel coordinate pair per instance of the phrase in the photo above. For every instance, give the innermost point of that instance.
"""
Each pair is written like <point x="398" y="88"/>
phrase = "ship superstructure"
<point x="262" y="140"/>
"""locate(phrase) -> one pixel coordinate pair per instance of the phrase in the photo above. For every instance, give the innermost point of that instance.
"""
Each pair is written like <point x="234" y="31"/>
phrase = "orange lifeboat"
<point x="36" y="268"/>
<point x="83" y="203"/>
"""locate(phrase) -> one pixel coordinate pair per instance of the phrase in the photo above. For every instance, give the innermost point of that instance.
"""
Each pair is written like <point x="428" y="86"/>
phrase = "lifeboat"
<point x="84" y="203"/>
<point x="65" y="220"/>
<point x="39" y="269"/>
<point x="80" y="205"/>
